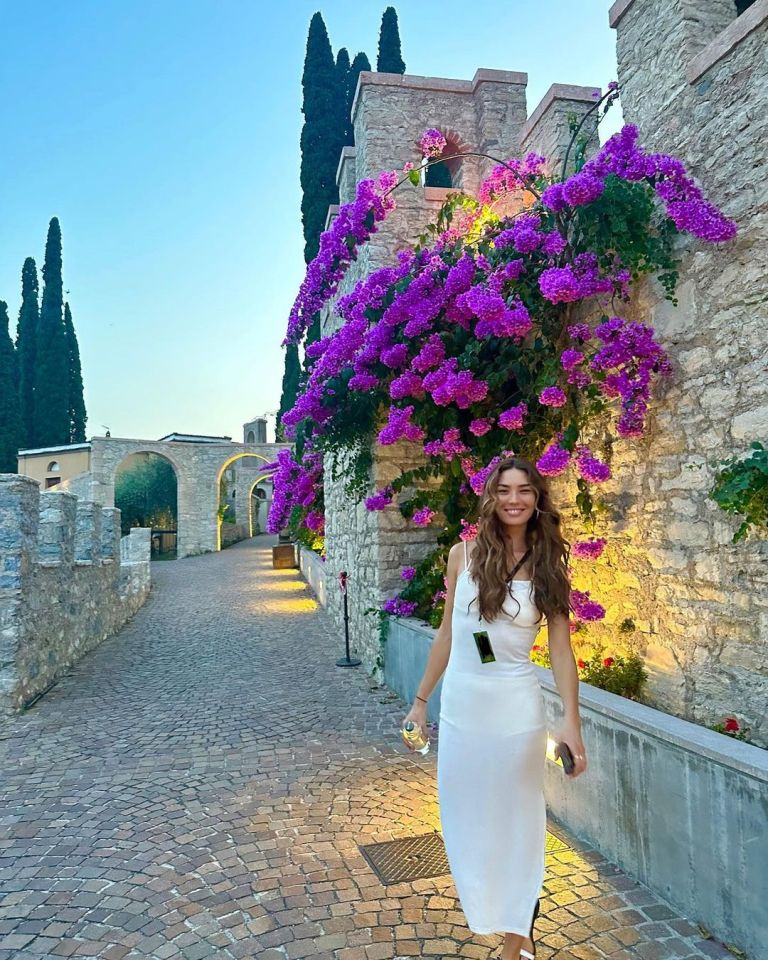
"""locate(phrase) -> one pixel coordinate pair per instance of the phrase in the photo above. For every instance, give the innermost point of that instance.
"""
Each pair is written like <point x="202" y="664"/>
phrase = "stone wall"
<point x="699" y="602"/>
<point x="67" y="581"/>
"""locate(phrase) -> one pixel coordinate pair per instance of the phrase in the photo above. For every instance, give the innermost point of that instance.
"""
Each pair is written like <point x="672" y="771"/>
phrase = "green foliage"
<point x="360" y="63"/>
<point x="77" y="414"/>
<point x="623" y="675"/>
<point x="390" y="59"/>
<point x="742" y="488"/>
<point x="145" y="492"/>
<point x="51" y="424"/>
<point x="10" y="420"/>
<point x="322" y="136"/>
<point x="26" y="339"/>
<point x="625" y="222"/>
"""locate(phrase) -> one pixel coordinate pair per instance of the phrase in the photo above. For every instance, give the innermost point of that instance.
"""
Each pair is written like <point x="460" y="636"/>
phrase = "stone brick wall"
<point x="67" y="581"/>
<point x="699" y="602"/>
<point x="695" y="80"/>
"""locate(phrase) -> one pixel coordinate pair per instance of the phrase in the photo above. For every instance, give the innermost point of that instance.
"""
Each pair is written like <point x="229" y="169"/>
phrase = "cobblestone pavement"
<point x="198" y="786"/>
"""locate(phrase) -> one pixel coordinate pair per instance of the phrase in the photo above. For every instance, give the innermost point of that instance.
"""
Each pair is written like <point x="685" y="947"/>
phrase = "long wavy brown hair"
<point x="549" y="549"/>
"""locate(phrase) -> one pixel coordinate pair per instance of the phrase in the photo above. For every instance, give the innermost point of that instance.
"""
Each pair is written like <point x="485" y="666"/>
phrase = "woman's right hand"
<point x="418" y="715"/>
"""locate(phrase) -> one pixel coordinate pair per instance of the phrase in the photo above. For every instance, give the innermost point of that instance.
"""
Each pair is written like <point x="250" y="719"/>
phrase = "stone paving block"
<point x="189" y="824"/>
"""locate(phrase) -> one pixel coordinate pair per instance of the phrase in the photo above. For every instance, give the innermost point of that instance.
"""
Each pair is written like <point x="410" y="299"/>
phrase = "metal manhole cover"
<point x="418" y="858"/>
<point x="412" y="858"/>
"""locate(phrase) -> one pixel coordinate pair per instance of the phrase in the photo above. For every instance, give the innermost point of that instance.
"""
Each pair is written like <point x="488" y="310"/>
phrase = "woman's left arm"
<point x="567" y="680"/>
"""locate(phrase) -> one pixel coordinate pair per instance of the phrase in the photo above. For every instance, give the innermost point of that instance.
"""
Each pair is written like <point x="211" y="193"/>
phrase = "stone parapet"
<point x="66" y="583"/>
<point x="548" y="130"/>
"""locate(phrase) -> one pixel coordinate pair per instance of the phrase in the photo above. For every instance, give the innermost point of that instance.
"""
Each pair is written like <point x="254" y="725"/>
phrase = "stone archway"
<point x="252" y="469"/>
<point x="198" y="465"/>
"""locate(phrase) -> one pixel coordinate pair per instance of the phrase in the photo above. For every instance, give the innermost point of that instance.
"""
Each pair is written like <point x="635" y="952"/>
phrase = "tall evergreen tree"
<point x="10" y="415"/>
<point x="51" y="411"/>
<point x="360" y="63"/>
<point x="322" y="135"/>
<point x="26" y="339"/>
<point x="342" y="67"/>
<point x="77" y="414"/>
<point x="291" y="383"/>
<point x="390" y="59"/>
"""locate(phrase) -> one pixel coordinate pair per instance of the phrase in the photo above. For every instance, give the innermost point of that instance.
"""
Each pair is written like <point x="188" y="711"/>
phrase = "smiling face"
<point x="515" y="498"/>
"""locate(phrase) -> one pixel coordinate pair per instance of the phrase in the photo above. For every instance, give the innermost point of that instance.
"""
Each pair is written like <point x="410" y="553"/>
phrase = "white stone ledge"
<point x="558" y="91"/>
<point x="618" y="10"/>
<point x="439" y="84"/>
<point x="333" y="210"/>
<point x="347" y="153"/>
<point x="727" y="40"/>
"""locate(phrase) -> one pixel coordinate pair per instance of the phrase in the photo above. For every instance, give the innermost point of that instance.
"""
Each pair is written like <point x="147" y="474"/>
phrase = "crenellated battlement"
<point x="67" y="581"/>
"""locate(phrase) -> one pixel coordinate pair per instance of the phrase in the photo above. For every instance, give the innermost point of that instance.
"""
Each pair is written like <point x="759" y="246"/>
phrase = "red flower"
<point x="732" y="725"/>
<point x="608" y="662"/>
<point x="581" y="664"/>
<point x="535" y="647"/>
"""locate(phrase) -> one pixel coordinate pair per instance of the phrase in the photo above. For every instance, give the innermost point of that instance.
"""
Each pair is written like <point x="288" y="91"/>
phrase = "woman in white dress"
<point x="490" y="765"/>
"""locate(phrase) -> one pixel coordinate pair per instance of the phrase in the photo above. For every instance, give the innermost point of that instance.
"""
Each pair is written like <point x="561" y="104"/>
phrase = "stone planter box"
<point x="283" y="556"/>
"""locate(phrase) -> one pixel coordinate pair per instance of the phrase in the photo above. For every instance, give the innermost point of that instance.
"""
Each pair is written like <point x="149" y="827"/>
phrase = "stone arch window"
<point x="251" y="438"/>
<point x="448" y="174"/>
<point x="54" y="467"/>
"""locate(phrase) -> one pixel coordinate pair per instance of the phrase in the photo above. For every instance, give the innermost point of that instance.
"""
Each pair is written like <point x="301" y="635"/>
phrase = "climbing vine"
<point x="503" y="330"/>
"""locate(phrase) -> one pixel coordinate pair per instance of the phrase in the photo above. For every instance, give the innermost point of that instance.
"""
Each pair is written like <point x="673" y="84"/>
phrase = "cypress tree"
<point x="342" y="67"/>
<point x="322" y="135"/>
<point x="26" y="338"/>
<point x="390" y="59"/>
<point x="360" y="63"/>
<point x="291" y="383"/>
<point x="51" y="411"/>
<point x="77" y="414"/>
<point x="10" y="416"/>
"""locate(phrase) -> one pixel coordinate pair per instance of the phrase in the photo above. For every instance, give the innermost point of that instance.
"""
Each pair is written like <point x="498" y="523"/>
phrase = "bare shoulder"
<point x="457" y="554"/>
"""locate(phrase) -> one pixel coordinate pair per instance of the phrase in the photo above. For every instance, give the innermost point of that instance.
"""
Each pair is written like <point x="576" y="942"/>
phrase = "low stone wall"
<point x="313" y="571"/>
<point x="67" y="581"/>
<point x="679" y="807"/>
<point x="232" y="533"/>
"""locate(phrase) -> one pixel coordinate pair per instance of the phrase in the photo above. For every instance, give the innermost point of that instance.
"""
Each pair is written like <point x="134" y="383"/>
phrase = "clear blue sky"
<point x="164" y="135"/>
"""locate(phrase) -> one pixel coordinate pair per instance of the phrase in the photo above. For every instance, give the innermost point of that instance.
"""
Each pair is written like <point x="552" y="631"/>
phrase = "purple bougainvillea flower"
<point x="584" y="608"/>
<point x="423" y="516"/>
<point x="588" y="549"/>
<point x="552" y="397"/>
<point x="553" y="461"/>
<point x="514" y="417"/>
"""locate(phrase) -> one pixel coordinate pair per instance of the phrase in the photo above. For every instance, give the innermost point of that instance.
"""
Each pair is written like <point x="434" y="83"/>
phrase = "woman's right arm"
<point x="441" y="645"/>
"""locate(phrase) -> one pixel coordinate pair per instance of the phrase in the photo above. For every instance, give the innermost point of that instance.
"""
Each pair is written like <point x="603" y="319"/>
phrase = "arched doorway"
<point x="236" y="481"/>
<point x="146" y="492"/>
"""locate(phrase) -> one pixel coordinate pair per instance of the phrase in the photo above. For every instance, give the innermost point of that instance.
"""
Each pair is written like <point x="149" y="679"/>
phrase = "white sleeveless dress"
<point x="490" y="763"/>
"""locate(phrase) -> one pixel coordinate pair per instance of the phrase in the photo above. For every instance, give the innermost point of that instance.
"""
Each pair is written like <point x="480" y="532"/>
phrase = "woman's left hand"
<point x="572" y="736"/>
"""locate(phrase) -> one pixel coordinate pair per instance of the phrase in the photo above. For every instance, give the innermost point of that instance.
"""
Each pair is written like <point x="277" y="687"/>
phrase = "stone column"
<point x="56" y="537"/>
<point x="19" y="518"/>
<point x="88" y="532"/>
<point x="110" y="534"/>
<point x="548" y="131"/>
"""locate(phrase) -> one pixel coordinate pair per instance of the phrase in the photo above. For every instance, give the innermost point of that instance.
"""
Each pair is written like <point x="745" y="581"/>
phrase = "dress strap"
<point x="466" y="556"/>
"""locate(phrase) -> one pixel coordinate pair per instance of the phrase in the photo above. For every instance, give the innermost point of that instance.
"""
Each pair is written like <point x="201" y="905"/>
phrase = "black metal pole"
<point x="346" y="661"/>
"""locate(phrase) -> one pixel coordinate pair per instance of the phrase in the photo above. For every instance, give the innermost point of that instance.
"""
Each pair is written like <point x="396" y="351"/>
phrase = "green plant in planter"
<point x="742" y="488"/>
